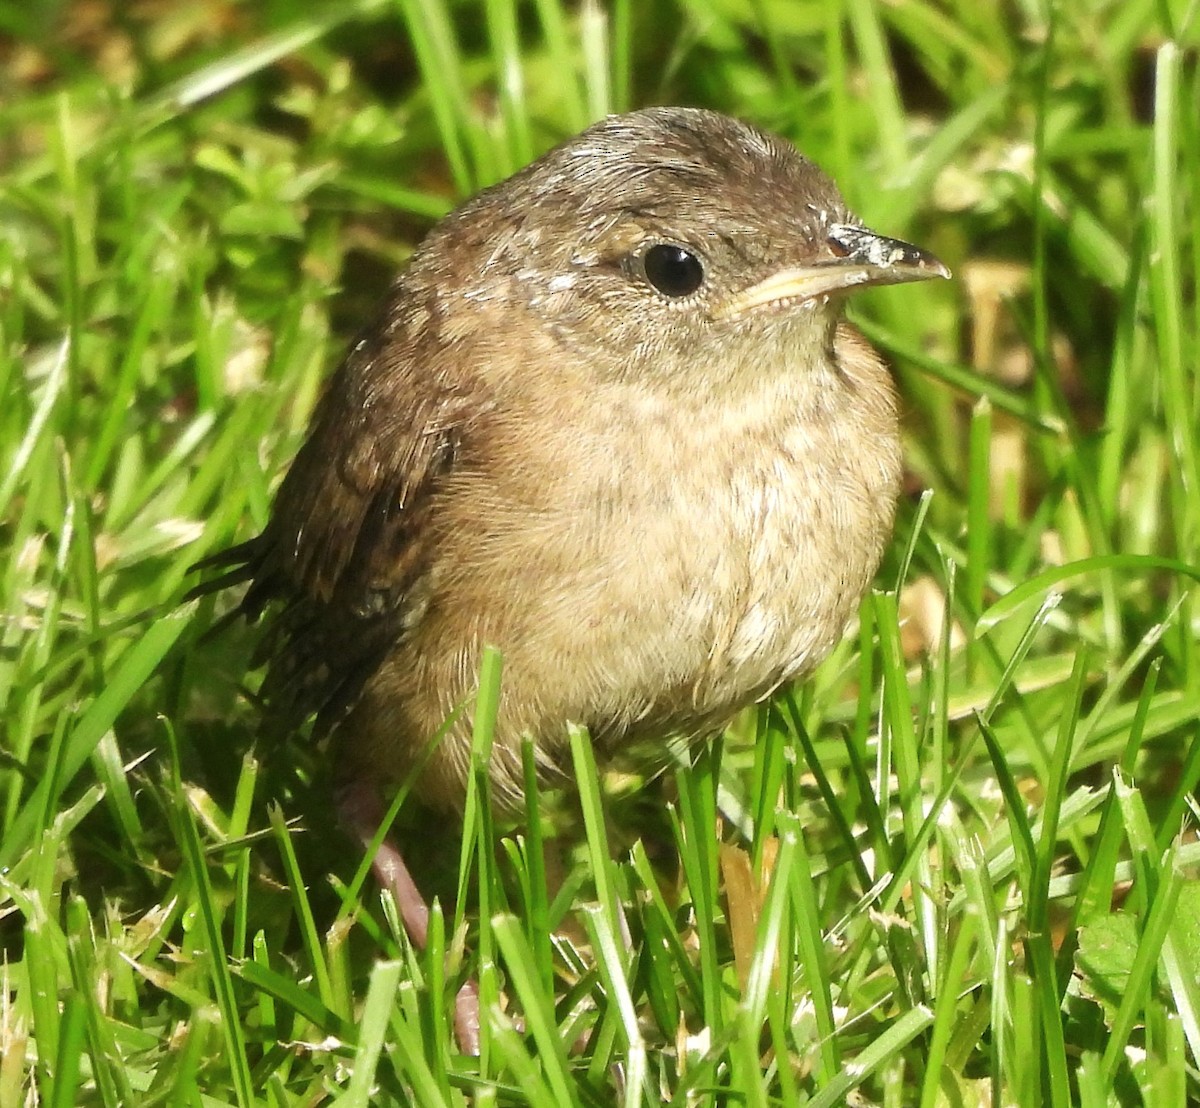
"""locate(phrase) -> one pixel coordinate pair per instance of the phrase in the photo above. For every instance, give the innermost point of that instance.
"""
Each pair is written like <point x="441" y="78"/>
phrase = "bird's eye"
<point x="672" y="270"/>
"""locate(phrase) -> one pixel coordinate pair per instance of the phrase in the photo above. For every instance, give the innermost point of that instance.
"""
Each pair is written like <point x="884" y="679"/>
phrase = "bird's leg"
<point x="361" y="813"/>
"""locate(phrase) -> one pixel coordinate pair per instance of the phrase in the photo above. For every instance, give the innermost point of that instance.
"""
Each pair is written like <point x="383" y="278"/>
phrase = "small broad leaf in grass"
<point x="1107" y="946"/>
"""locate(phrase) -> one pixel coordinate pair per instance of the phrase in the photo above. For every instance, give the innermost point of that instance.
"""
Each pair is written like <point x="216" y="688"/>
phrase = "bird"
<point x="609" y="421"/>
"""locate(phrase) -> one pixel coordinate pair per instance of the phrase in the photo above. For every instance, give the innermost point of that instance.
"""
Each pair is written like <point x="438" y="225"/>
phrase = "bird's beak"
<point x="861" y="258"/>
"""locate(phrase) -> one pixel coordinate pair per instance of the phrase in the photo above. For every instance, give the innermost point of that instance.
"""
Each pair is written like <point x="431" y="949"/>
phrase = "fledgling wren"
<point x="611" y="422"/>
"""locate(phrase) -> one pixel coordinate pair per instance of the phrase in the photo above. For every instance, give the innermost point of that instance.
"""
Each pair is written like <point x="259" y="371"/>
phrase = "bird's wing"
<point x="342" y="561"/>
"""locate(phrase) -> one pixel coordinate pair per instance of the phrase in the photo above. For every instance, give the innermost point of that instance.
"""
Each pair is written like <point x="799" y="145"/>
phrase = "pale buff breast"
<point x="741" y="557"/>
<point x="712" y="560"/>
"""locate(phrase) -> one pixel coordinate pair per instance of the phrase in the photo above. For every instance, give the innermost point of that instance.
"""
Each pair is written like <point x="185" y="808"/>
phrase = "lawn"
<point x="957" y="866"/>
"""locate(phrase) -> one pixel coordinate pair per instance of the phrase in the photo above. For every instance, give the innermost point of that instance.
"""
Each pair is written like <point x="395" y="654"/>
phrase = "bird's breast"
<point x="756" y="548"/>
<point x="644" y="567"/>
<point x="710" y="554"/>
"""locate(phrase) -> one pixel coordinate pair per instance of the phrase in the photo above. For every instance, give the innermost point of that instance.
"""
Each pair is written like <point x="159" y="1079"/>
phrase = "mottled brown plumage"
<point x="658" y="501"/>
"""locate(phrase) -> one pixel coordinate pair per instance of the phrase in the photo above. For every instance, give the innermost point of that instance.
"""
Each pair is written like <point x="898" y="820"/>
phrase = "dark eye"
<point x="673" y="270"/>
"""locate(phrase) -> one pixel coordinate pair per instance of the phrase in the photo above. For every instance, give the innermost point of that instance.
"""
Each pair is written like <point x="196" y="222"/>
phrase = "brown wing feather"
<point x="342" y="559"/>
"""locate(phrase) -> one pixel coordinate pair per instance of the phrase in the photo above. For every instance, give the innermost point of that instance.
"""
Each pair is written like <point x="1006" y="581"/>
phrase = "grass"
<point x="957" y="866"/>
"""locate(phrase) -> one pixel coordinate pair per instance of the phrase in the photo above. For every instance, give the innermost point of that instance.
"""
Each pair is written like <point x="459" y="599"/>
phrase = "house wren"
<point x="610" y="421"/>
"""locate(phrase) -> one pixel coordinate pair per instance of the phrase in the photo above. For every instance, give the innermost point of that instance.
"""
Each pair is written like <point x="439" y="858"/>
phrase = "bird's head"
<point x="672" y="244"/>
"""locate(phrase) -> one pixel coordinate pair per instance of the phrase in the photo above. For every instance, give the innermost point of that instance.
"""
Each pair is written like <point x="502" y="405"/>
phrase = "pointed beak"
<point x="861" y="258"/>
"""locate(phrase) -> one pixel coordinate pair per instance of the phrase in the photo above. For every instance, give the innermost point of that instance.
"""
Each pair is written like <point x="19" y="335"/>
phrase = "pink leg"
<point x="361" y="812"/>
